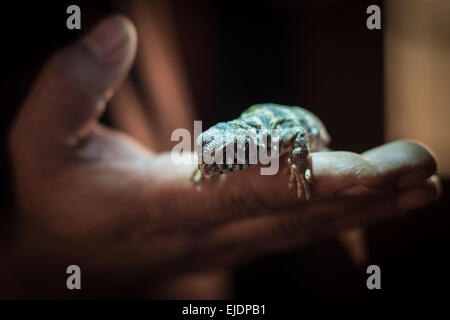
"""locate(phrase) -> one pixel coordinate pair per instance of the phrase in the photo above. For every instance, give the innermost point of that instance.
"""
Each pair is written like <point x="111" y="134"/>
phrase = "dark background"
<point x="317" y="54"/>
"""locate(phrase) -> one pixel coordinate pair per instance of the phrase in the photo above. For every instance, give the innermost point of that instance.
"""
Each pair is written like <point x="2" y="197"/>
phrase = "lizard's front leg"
<point x="196" y="176"/>
<point x="300" y="174"/>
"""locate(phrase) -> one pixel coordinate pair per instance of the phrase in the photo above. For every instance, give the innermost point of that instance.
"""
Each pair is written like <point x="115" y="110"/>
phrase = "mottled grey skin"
<point x="300" y="132"/>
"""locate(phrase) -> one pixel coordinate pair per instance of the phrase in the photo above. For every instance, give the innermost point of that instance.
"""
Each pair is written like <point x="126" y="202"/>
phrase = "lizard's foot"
<point x="196" y="176"/>
<point x="301" y="181"/>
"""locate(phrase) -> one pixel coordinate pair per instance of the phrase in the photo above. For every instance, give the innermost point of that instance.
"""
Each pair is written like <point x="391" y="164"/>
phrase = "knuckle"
<point x="244" y="202"/>
<point x="237" y="204"/>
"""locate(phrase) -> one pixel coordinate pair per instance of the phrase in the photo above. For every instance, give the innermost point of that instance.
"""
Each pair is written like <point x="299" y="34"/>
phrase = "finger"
<point x="284" y="230"/>
<point x="333" y="174"/>
<point x="71" y="91"/>
<point x="247" y="238"/>
<point x="247" y="193"/>
<point x="336" y="175"/>
<point x="404" y="163"/>
<point x="354" y="242"/>
<point x="420" y="195"/>
<point x="260" y="235"/>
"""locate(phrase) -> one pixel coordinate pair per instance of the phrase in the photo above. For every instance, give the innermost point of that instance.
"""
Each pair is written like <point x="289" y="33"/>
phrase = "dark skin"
<point x="93" y="196"/>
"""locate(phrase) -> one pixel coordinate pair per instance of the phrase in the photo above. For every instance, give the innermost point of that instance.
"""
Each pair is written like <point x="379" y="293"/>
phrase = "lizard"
<point x="299" y="133"/>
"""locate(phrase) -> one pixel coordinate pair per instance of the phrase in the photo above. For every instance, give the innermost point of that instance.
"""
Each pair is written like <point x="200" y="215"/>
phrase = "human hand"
<point x="93" y="196"/>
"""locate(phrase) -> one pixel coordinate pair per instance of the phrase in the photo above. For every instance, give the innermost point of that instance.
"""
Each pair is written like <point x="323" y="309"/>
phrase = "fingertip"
<point x="404" y="163"/>
<point x="130" y="30"/>
<point x="424" y="155"/>
<point x="113" y="38"/>
<point x="404" y="155"/>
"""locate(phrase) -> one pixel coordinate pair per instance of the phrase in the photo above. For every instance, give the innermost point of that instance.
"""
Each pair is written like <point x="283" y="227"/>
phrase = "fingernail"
<point x="414" y="198"/>
<point x="109" y="35"/>
<point x="358" y="190"/>
<point x="414" y="178"/>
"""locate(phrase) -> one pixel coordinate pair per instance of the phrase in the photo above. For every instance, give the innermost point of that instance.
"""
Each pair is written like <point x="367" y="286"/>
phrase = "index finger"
<point x="404" y="163"/>
<point x="333" y="174"/>
<point x="248" y="193"/>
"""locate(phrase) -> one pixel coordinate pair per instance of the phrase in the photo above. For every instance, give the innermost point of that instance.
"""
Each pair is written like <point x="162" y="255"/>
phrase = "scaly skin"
<point x="299" y="132"/>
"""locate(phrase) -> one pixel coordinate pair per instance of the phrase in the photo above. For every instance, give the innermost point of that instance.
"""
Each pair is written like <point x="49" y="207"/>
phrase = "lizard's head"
<point x="223" y="148"/>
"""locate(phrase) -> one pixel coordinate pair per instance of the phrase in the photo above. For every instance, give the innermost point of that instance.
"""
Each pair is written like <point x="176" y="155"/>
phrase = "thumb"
<point x="74" y="85"/>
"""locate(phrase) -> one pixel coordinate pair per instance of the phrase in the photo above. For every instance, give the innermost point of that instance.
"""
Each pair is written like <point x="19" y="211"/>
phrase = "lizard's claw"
<point x="301" y="181"/>
<point x="196" y="176"/>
